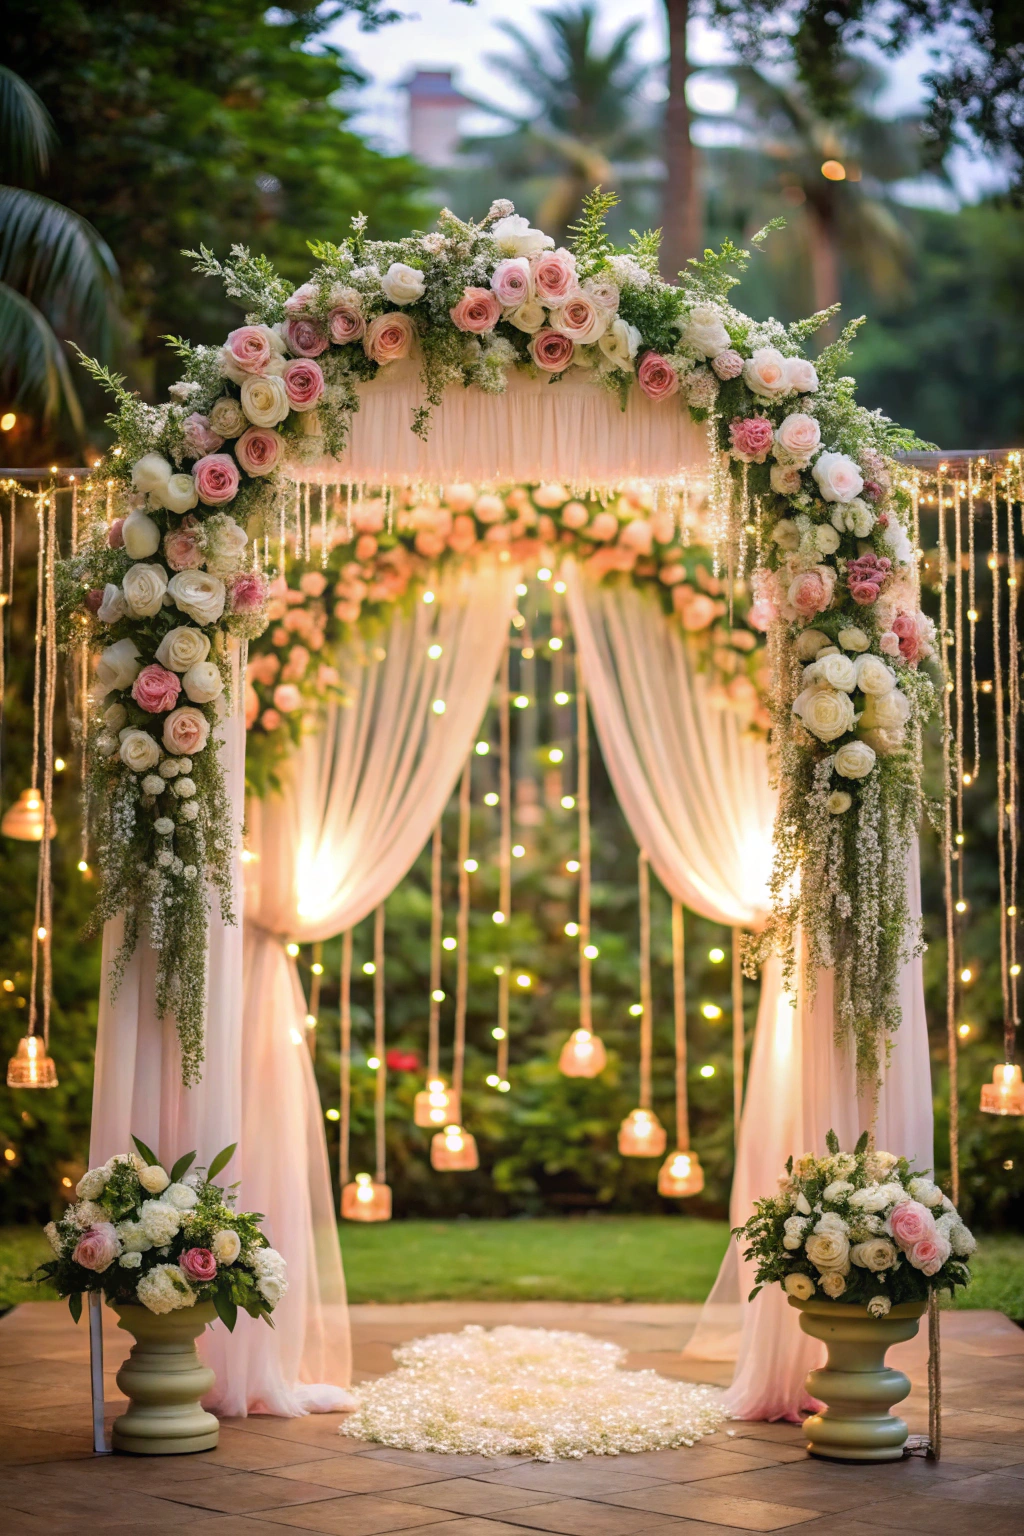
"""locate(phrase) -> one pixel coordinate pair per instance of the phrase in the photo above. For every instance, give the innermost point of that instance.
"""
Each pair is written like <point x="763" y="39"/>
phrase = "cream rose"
<point x="151" y="472"/>
<point x="766" y="374"/>
<point x="141" y="536"/>
<point x="886" y="711"/>
<point x="179" y="494"/>
<point x="854" y="759"/>
<point x="873" y="676"/>
<point x="838" y="671"/>
<point x="118" y="666"/>
<point x="402" y="284"/>
<point x="854" y="517"/>
<point x="825" y="713"/>
<point x="704" y="331"/>
<point x="803" y="376"/>
<point x="186" y="732"/>
<point x="139" y="751"/>
<point x="798" y="435"/>
<point x="144" y="587"/>
<point x="619" y="344"/>
<point x="833" y="1283"/>
<point x="227" y="417"/>
<point x="199" y="594"/>
<point x="226" y="1246"/>
<point x="838" y="802"/>
<point x="853" y="639"/>
<point x="785" y="479"/>
<point x="809" y="642"/>
<point x="265" y="400"/>
<point x="113" y="606"/>
<point x="182" y="648"/>
<point x="799" y="1286"/>
<point x="225" y="544"/>
<point x="203" y="682"/>
<point x="153" y="1178"/>
<point x="877" y="1253"/>
<point x="828" y="1250"/>
<point x="837" y="476"/>
<point x="529" y="317"/>
<point x="92" y="1184"/>
<point x="826" y="540"/>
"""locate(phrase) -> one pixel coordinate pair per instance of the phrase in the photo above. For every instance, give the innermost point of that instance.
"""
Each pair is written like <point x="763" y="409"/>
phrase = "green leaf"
<point x="227" y="1311"/>
<point x="75" y="1305"/>
<point x="182" y="1166"/>
<point x="221" y="1160"/>
<point x="789" y="1164"/>
<point x="862" y="1142"/>
<point x="146" y="1152"/>
<point x="832" y="1142"/>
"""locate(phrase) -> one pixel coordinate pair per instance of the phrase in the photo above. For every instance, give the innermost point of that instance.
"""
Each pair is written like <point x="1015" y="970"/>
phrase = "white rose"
<point x="225" y="545"/>
<point x="133" y="1239"/>
<point x="838" y="671"/>
<point x="870" y="1198"/>
<point x="873" y="676"/>
<point x="876" y="1254"/>
<point x="92" y="1184"/>
<point x="704" y="331"/>
<point x="878" y="1306"/>
<point x="826" y="713"/>
<point x="828" y="1250"/>
<point x="179" y="494"/>
<point x="826" y="539"/>
<point x="151" y="472"/>
<point x="529" y="316"/>
<point x="831" y="1221"/>
<point x="897" y="540"/>
<point x="798" y="435"/>
<point x="139" y="751"/>
<point x="226" y="1246"/>
<point x="809" y="642"/>
<point x="141" y="536"/>
<point x="402" y="284"/>
<point x="203" y="682"/>
<point x="182" y="648"/>
<point x="785" y="479"/>
<point x="181" y="1196"/>
<point x="838" y="477"/>
<point x="159" y="1221"/>
<point x="766" y="374"/>
<point x="227" y="418"/>
<point x="855" y="759"/>
<point x="144" y="587"/>
<point x="803" y="376"/>
<point x="199" y="594"/>
<point x="886" y="712"/>
<point x="838" y="802"/>
<point x="514" y="237"/>
<point x="833" y="1283"/>
<point x="786" y="533"/>
<point x="153" y="1178"/>
<point x="264" y="399"/>
<point x="800" y="1286"/>
<point x="113" y="606"/>
<point x="619" y="344"/>
<point x="854" y="517"/>
<point x="853" y="639"/>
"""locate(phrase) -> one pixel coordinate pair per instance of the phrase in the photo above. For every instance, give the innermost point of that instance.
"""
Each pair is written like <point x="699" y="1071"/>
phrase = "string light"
<point x="568" y="802"/>
<point x="491" y="798"/>
<point x="369" y="969"/>
<point x="449" y="943"/>
<point x="555" y="755"/>
<point x="434" y="651"/>
<point x="573" y="866"/>
<point x="707" y="1071"/>
<point x="291" y="950"/>
<point x="438" y="706"/>
<point x="561" y="697"/>
<point x="711" y="1011"/>
<point x="543" y="574"/>
<point x="482" y="748"/>
<point x="555" y="643"/>
<point x="571" y="930"/>
<point x="518" y="851"/>
<point x="716" y="956"/>
<point x="470" y="866"/>
<point x="521" y="701"/>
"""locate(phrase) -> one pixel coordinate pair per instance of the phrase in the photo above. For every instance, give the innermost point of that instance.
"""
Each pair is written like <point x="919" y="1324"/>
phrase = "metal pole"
<point x="99" y="1428"/>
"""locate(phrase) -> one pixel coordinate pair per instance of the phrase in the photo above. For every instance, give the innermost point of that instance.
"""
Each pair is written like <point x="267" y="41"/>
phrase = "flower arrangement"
<point x="164" y="1240"/>
<point x="858" y="1227"/>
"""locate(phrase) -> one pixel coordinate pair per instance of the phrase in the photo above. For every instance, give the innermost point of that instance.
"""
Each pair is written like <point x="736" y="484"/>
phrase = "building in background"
<point x="435" y="113"/>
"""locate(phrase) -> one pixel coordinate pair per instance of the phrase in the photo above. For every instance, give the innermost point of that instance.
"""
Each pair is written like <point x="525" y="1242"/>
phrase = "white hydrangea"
<point x="130" y="1260"/>
<point x="181" y="1196"/>
<point x="837" y="1189"/>
<point x="86" y="1213"/>
<point x="926" y="1191"/>
<point x="132" y="1237"/>
<point x="92" y="1184"/>
<point x="165" y="1289"/>
<point x="53" y="1237"/>
<point x="271" y="1274"/>
<point x="160" y="1221"/>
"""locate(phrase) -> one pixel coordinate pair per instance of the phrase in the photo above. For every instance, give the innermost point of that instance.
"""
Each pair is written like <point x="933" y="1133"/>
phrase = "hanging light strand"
<point x="434" y="1013"/>
<point x="646" y="993"/>
<point x="947" y="853"/>
<point x="679" y="1021"/>
<point x="462" y="936"/>
<point x="583" y="808"/>
<point x="972" y="631"/>
<point x="504" y="855"/>
<point x="738" y="1033"/>
<point x="958" y="687"/>
<point x="345" y="1009"/>
<point x="381" y="1083"/>
<point x="1001" y="818"/>
<point x="1013" y="737"/>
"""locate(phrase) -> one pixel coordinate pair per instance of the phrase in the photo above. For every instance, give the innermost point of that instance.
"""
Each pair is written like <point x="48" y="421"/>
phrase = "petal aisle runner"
<point x="528" y="1392"/>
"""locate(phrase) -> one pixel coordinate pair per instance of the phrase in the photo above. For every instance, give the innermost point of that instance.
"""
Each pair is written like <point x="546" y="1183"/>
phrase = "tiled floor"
<point x="273" y="1475"/>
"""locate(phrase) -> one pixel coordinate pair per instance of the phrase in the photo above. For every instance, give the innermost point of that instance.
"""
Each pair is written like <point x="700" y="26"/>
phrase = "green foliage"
<point x="588" y="239"/>
<point x="716" y="273"/>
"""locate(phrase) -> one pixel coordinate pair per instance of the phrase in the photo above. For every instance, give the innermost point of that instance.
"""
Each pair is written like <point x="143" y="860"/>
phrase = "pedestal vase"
<point x="856" y="1385"/>
<point x="163" y="1379"/>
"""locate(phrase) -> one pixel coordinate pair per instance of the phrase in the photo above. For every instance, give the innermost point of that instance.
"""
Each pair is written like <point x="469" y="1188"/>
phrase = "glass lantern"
<point x="680" y="1175"/>
<point x="453" y="1149"/>
<point x="583" y="1055"/>
<point x="435" y="1105"/>
<point x="365" y="1200"/>
<point x="24" y="819"/>
<point x="31" y="1066"/>
<point x="642" y="1134"/>
<point x="1004" y="1095"/>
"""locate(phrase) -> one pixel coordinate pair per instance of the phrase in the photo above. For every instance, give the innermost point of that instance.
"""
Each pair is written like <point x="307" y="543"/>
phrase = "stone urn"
<point x="163" y="1379"/>
<point x="856" y="1385"/>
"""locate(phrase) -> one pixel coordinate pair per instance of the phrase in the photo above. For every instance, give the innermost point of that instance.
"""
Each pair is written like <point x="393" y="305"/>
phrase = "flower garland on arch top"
<point x="316" y="610"/>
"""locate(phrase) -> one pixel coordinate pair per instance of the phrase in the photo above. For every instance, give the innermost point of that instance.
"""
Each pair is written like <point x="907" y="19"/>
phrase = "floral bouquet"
<point x="163" y="1240"/>
<point x="857" y="1227"/>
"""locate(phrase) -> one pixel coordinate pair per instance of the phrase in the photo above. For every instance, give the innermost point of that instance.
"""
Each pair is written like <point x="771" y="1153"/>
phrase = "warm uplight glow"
<point x="8" y="421"/>
<point x="833" y="170"/>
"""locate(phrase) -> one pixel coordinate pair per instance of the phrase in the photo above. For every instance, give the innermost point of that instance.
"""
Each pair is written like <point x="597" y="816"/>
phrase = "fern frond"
<point x="587" y="240"/>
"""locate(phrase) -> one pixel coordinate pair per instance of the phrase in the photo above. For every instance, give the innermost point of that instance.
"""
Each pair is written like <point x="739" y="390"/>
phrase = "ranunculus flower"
<point x="619" y="343"/>
<point x="345" y="323"/>
<point x="200" y="436"/>
<point x="512" y="281"/>
<point x="873" y="676"/>
<point x="140" y="535"/>
<point x="118" y="666"/>
<point x="767" y="373"/>
<point x="580" y="319"/>
<point x="144" y="587"/>
<point x="227" y="417"/>
<point x="203" y="683"/>
<point x="832" y="1283"/>
<point x="247" y="593"/>
<point x="304" y="384"/>
<point x="477" y="311"/>
<point x="264" y="401"/>
<point x="97" y="1248"/>
<point x="799" y="1285"/>
<point x="727" y="365"/>
<point x="156" y="689"/>
<point x="389" y="338"/>
<point x="798" y="435"/>
<point x="810" y="592"/>
<point x="838" y="477"/>
<point x="838" y="671"/>
<point x="837" y="804"/>
<point x="138" y="751"/>
<point x="656" y="377"/>
<point x="704" y="331"/>
<point x="554" y="276"/>
<point x="198" y="1265"/>
<point x="182" y="647"/>
<point x="785" y="479"/>
<point x="855" y="760"/>
<point x="181" y="546"/>
<point x="403" y="284"/>
<point x="216" y="478"/>
<point x="551" y="351"/>
<point x="249" y="349"/>
<point x="826" y="712"/>
<point x="306" y="338"/>
<point x="261" y="449"/>
<point x="150" y="472"/>
<point x="186" y="731"/>
<point x="751" y="438"/>
<point x="199" y="594"/>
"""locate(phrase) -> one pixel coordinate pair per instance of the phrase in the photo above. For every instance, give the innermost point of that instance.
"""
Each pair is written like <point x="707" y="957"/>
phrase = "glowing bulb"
<point x="522" y="980"/>
<point x="708" y="1071"/>
<point x="716" y="956"/>
<point x="528" y="653"/>
<point x="8" y="984"/>
<point x="499" y="970"/>
<point x="636" y="1009"/>
<point x="40" y="933"/>
<point x="1011" y="911"/>
<point x="433" y="651"/>
<point x="437" y="995"/>
<point x="711" y="1011"/>
<point x="972" y="614"/>
<point x="959" y="839"/>
<point x="591" y="951"/>
<point x="492" y="1080"/>
<point x="497" y="1033"/>
<point x="963" y="1030"/>
<point x="482" y="748"/>
<point x="522" y="589"/>
<point x="833" y="170"/>
<point x="8" y="421"/>
<point x="490" y="798"/>
<point x="518" y="850"/>
<point x="373" y="1062"/>
<point x="498" y="917"/>
<point x="573" y="866"/>
<point x="568" y="801"/>
<point x="543" y="574"/>
<point x="560" y="586"/>
<point x="555" y="755"/>
<point x="438" y="706"/>
<point x="369" y="969"/>
<point x="521" y="701"/>
<point x="561" y="697"/>
<point x="311" y="1021"/>
<point x="59" y="765"/>
<point x="317" y="969"/>
<point x="965" y="975"/>
<point x="961" y="906"/>
<point x="1014" y="970"/>
<point x="471" y="866"/>
<point x="554" y="644"/>
<point x="291" y="950"/>
<point x="504" y="1086"/>
<point x="428" y="597"/>
<point x="332" y="1114"/>
<point x="296" y="1036"/>
<point x="449" y="943"/>
<point x="571" y="930"/>
<point x="83" y="866"/>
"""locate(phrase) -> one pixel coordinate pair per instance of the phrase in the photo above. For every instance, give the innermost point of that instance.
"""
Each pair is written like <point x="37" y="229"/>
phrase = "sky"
<point x="446" y="34"/>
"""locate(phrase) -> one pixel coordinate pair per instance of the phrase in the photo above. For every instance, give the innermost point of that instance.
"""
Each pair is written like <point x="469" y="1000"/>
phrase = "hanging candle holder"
<point x="366" y="1200"/>
<point x="453" y="1149"/>
<point x="680" y="1175"/>
<point x="583" y="1055"/>
<point x="25" y="819"/>
<point x="1004" y="1095"/>
<point x="32" y="1066"/>
<point x="642" y="1134"/>
<point x="435" y="1105"/>
<point x="432" y="1106"/>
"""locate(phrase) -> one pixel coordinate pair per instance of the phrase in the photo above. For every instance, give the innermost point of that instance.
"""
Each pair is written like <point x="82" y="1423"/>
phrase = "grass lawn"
<point x="627" y="1258"/>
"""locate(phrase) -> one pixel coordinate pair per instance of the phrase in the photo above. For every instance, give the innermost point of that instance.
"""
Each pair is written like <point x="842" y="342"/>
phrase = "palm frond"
<point x="26" y="131"/>
<point x="33" y="368"/>
<point x="61" y="264"/>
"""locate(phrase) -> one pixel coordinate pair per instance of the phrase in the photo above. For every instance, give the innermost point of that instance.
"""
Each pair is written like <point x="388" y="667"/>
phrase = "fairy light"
<point x="504" y="854"/>
<point x="948" y="758"/>
<point x="482" y="748"/>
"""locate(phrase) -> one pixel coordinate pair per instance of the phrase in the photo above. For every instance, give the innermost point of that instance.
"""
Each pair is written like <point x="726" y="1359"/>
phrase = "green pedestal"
<point x="856" y="1385"/>
<point x="163" y="1378"/>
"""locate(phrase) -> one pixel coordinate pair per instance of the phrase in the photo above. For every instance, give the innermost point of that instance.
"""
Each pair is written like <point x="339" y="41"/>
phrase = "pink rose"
<point x="638" y="535"/>
<point x="259" y="449"/>
<point x="811" y="591"/>
<point x="477" y="311"/>
<point x="695" y="609"/>
<point x="863" y="592"/>
<point x="752" y="437"/>
<point x="270" y="719"/>
<point x="512" y="281"/>
<point x="874" y="492"/>
<point x="247" y="592"/>
<point x="199" y="436"/>
<point x="94" y="599"/>
<point x="250" y="348"/>
<point x="930" y="1254"/>
<point x="186" y="731"/>
<point x="672" y="575"/>
<point x="551" y="351"/>
<point x="97" y="1248"/>
<point x="910" y="1223"/>
<point x="580" y="319"/>
<point x="115" y="534"/>
<point x="216" y="478"/>
<point x="575" y="515"/>
<point x="287" y="698"/>
<point x="604" y="526"/>
<point x="252" y="705"/>
<point x="303" y="384"/>
<point x="366" y="546"/>
<point x="198" y="1265"/>
<point x="761" y="614"/>
<point x="656" y="377"/>
<point x="346" y="612"/>
<point x="155" y="689"/>
<point x="889" y="643"/>
<point x="460" y="498"/>
<point x="181" y="546"/>
<point x="389" y="338"/>
<point x="554" y="276"/>
<point x="798" y="436"/>
<point x="313" y="583"/>
<point x="489" y="508"/>
<point x="264" y="669"/>
<point x="295" y="667"/>
<point x="298" y="302"/>
<point x="463" y="535"/>
<point x="728" y="364"/>
<point x="345" y="324"/>
<point x="429" y="545"/>
<point x="306" y="337"/>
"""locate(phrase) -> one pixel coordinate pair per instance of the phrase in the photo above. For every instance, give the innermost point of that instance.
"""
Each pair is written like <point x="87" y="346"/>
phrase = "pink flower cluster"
<point x="866" y="577"/>
<point x="752" y="438"/>
<point x="913" y="1228"/>
<point x="198" y="1265"/>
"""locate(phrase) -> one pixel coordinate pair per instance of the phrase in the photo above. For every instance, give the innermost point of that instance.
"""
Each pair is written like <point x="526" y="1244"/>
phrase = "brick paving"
<point x="274" y="1475"/>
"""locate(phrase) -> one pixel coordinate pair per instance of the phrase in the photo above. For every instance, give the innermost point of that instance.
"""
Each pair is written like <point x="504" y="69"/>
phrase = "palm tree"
<point x="682" y="218"/>
<point x="58" y="278"/>
<point x="587" y="125"/>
